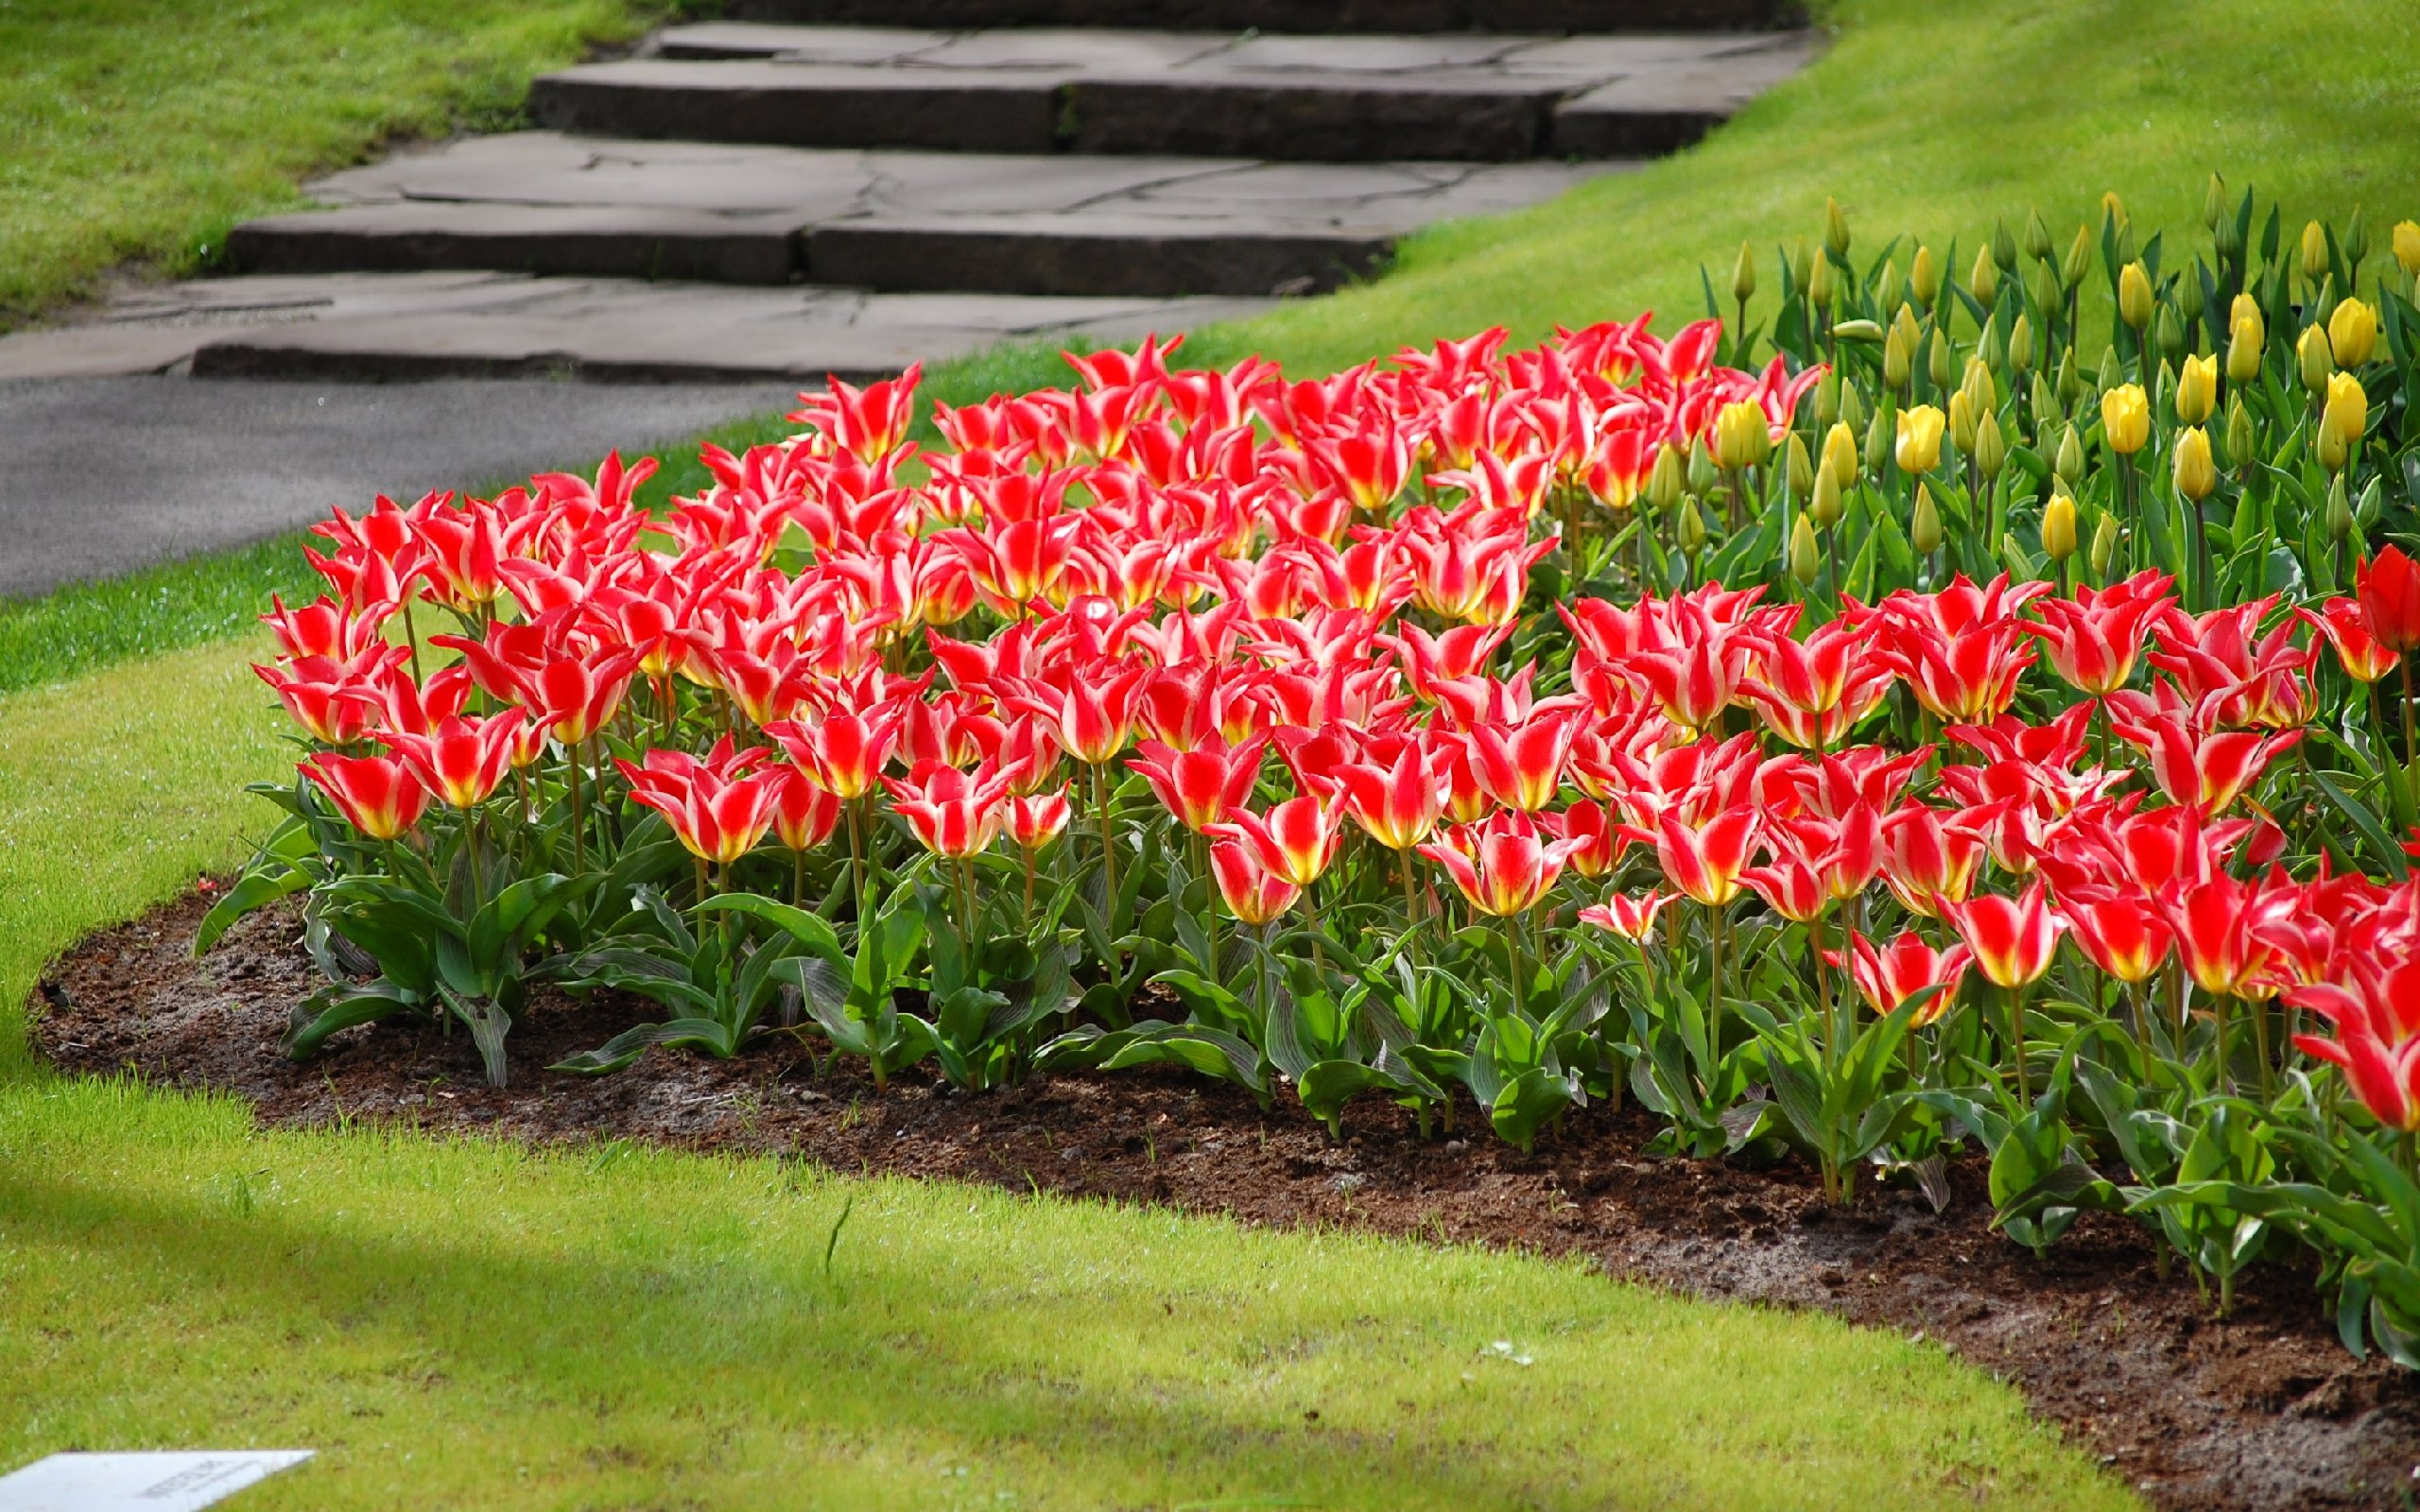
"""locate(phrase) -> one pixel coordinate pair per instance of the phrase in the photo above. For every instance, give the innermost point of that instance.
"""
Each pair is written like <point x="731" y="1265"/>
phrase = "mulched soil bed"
<point x="2264" y="1410"/>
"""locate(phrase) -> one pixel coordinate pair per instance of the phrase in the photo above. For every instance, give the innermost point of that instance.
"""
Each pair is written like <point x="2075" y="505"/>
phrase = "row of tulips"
<point x="1358" y="738"/>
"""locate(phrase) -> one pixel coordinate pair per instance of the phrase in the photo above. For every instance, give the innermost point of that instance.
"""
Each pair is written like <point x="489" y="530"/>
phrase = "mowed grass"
<point x="141" y="129"/>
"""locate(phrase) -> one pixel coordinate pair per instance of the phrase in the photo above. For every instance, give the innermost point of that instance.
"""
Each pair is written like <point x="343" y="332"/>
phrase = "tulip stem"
<point x="2412" y="769"/>
<point x="2017" y="1044"/>
<point x="1108" y="842"/>
<point x="1714" y="993"/>
<point x="1411" y="912"/>
<point x="411" y="635"/>
<point x="579" y="828"/>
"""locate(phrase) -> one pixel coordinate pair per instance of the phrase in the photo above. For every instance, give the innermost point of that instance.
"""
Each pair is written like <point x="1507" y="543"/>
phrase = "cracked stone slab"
<point x="1335" y="99"/>
<point x="381" y="326"/>
<point x="544" y="202"/>
<point x="1290" y="15"/>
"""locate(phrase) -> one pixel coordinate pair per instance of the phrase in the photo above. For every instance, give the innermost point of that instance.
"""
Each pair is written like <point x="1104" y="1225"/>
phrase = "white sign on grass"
<point x="177" y="1481"/>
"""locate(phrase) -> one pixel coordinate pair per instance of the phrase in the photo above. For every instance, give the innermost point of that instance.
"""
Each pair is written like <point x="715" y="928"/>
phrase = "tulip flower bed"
<point x="1492" y="733"/>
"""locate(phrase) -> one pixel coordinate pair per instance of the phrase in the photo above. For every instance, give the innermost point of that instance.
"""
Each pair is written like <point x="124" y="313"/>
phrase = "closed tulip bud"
<point x="2164" y="387"/>
<point x="1919" y="439"/>
<point x="1663" y="480"/>
<point x="1839" y="454"/>
<point x="2314" y="252"/>
<point x="1961" y="421"/>
<point x="1799" y="467"/>
<point x="1924" y="527"/>
<point x="1889" y="287"/>
<point x="1827" y="400"/>
<point x="2104" y="547"/>
<point x="2078" y="261"/>
<point x="1835" y="228"/>
<point x="2042" y="285"/>
<point x="1879" y="440"/>
<point x="2197" y="389"/>
<point x="2071" y="386"/>
<point x="2407" y="245"/>
<point x="2111" y="375"/>
<point x="1923" y="277"/>
<point x="1743" y="275"/>
<point x="2196" y="471"/>
<point x="2356" y="240"/>
<point x="2038" y="237"/>
<point x="1742" y="438"/>
<point x="2069" y="463"/>
<point x="1991" y="351"/>
<point x="2125" y="419"/>
<point x="1800" y="263"/>
<point x="2227" y="238"/>
<point x="1805" y="562"/>
<point x="2020" y="344"/>
<point x="2167" y="333"/>
<point x="2353" y="333"/>
<point x="2135" y="296"/>
<point x="1896" y="360"/>
<point x="1991" y="447"/>
<point x="2315" y="358"/>
<point x="2214" y="202"/>
<point x="1982" y="389"/>
<point x="1938" y="369"/>
<point x="2345" y="417"/>
<point x="1984" y="282"/>
<point x="1692" y="525"/>
<point x="2240" y="435"/>
<point x="1818" y="284"/>
<point x="1702" y="472"/>
<point x="2339" y="509"/>
<point x="1852" y="416"/>
<point x="1825" y="506"/>
<point x="2243" y="349"/>
<point x="2003" y="246"/>
<point x="2059" y="527"/>
<point x="2046" y="403"/>
<point x="2112" y="208"/>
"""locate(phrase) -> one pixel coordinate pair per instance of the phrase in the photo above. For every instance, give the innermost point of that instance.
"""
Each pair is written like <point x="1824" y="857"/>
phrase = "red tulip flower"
<point x="2121" y="935"/>
<point x="2219" y="938"/>
<point x="1600" y="837"/>
<point x="805" y="815"/>
<point x="843" y="754"/>
<point x="323" y="629"/>
<point x="462" y="759"/>
<point x="2094" y="640"/>
<point x="377" y="795"/>
<point x="1399" y="802"/>
<point x="1093" y="717"/>
<point x="1888" y="975"/>
<point x="1632" y="919"/>
<point x="1202" y="786"/>
<point x="1295" y="840"/>
<point x="1254" y="894"/>
<point x="1035" y="822"/>
<point x="1521" y="766"/>
<point x="2346" y="624"/>
<point x="2377" y="1036"/>
<point x="2012" y="939"/>
<point x="1503" y="866"/>
<point x="1928" y="859"/>
<point x="952" y="813"/>
<point x="573" y="698"/>
<point x="1789" y="887"/>
<point x="2205" y="771"/>
<point x="719" y="808"/>
<point x="1705" y="863"/>
<point x="334" y="701"/>
<point x="2388" y="589"/>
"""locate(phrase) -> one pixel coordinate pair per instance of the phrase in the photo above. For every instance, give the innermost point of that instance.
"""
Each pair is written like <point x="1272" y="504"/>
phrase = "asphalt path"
<point x="100" y="477"/>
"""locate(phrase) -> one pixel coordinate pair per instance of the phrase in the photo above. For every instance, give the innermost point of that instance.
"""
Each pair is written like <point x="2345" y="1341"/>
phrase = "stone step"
<point x="1312" y="16"/>
<point x="546" y="203"/>
<point x="390" y="326"/>
<point x="1343" y="99"/>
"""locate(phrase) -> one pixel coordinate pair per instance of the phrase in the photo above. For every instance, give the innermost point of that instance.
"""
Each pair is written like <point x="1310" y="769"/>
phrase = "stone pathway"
<point x="794" y="194"/>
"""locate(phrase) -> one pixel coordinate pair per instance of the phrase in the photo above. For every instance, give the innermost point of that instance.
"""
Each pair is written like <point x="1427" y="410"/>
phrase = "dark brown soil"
<point x="2264" y="1410"/>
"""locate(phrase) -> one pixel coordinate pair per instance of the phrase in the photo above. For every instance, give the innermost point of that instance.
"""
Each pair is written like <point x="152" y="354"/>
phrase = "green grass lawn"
<point x="464" y="1324"/>
<point x="141" y="129"/>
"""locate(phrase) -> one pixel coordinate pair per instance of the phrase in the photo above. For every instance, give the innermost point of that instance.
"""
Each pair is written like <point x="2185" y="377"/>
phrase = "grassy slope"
<point x="665" y="1329"/>
<point x="144" y="129"/>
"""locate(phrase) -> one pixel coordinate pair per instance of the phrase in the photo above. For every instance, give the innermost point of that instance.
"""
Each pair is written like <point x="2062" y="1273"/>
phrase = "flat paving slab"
<point x="1290" y="15"/>
<point x="1328" y="98"/>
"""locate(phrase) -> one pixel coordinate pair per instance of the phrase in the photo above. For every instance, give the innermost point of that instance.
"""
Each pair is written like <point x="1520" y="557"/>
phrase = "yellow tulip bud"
<point x="2059" y="527"/>
<point x="2314" y="253"/>
<point x="1839" y="454"/>
<point x="1799" y="467"/>
<point x="1982" y="392"/>
<point x="2242" y="307"/>
<point x="2046" y="409"/>
<point x="2353" y="333"/>
<point x="1818" y="284"/>
<point x="1919" y="447"/>
<point x="2214" y="202"/>
<point x="1923" y="526"/>
<point x="2356" y="240"/>
<point x="2196" y="469"/>
<point x="1743" y="275"/>
<point x="2079" y="259"/>
<point x="2241" y="437"/>
<point x="2068" y="465"/>
<point x="2244" y="348"/>
<point x="1937" y="368"/>
<point x="2111" y="375"/>
<point x="1852" y="416"/>
<point x="1991" y="447"/>
<point x="1990" y="351"/>
<point x="1835" y="228"/>
<point x="2339" y="509"/>
<point x="1662" y="489"/>
<point x="2346" y="415"/>
<point x="1889" y="287"/>
<point x="1961" y="421"/>
<point x="2126" y="419"/>
<point x="1742" y="436"/>
<point x="1827" y="507"/>
<point x="1701" y="474"/>
<point x="1896" y="361"/>
<point x="1692" y="525"/>
<point x="2020" y="344"/>
<point x="1925" y="276"/>
<point x="2316" y="359"/>
<point x="2407" y="245"/>
<point x="2135" y="296"/>
<point x="1804" y="560"/>
<point x="2104" y="547"/>
<point x="1878" y="437"/>
<point x="2037" y="236"/>
<point x="2197" y="389"/>
<point x="1984" y="282"/>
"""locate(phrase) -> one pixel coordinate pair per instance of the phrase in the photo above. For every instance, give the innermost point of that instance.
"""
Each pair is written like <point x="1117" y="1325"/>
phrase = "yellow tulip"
<point x="1839" y="454"/>
<point x="1835" y="228"/>
<point x="1923" y="277"/>
<point x="2343" y="421"/>
<point x="1985" y="279"/>
<point x="2197" y="470"/>
<point x="2059" y="527"/>
<point x="2244" y="348"/>
<point x="1743" y="275"/>
<point x="2407" y="245"/>
<point x="1923" y="526"/>
<point x="1825" y="508"/>
<point x="1805" y="562"/>
<point x="2316" y="359"/>
<point x="2135" y="296"/>
<point x="2314" y="253"/>
<point x="2126" y="419"/>
<point x="1919" y="448"/>
<point x="1742" y="436"/>
<point x="2241" y="307"/>
<point x="1961" y="421"/>
<point x="2353" y="333"/>
<point x="2197" y="389"/>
